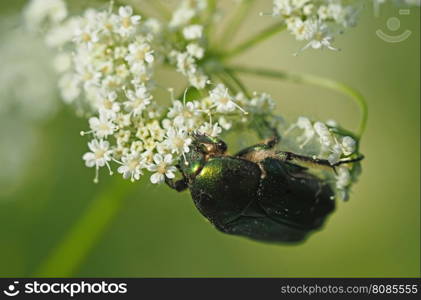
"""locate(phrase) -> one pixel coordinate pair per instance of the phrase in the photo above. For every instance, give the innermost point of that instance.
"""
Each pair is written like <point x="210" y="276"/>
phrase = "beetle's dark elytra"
<point x="257" y="193"/>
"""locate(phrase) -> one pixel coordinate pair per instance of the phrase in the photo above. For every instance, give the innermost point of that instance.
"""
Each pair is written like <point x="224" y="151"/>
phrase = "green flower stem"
<point x="261" y="36"/>
<point x="235" y="23"/>
<point x="73" y="249"/>
<point x="161" y="9"/>
<point x="227" y="82"/>
<point x="211" y="8"/>
<point x="317" y="81"/>
<point x="238" y="82"/>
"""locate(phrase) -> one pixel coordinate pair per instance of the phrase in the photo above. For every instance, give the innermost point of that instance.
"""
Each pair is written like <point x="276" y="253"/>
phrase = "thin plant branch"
<point x="212" y="6"/>
<point x="160" y="8"/>
<point x="226" y="81"/>
<point x="260" y="37"/>
<point x="356" y="96"/>
<point x="236" y="21"/>
<point x="73" y="249"/>
<point x="238" y="82"/>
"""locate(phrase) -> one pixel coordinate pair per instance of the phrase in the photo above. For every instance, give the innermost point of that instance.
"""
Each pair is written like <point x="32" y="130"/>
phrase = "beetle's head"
<point x="209" y="145"/>
<point x="201" y="149"/>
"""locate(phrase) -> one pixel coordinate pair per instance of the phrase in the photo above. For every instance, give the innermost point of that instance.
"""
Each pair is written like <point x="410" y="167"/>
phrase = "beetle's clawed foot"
<point x="272" y="142"/>
<point x="348" y="161"/>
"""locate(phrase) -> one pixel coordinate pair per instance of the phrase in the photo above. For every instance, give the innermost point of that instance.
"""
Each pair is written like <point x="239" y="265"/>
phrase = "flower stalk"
<point x="67" y="256"/>
<point x="356" y="96"/>
<point x="253" y="41"/>
<point x="233" y="27"/>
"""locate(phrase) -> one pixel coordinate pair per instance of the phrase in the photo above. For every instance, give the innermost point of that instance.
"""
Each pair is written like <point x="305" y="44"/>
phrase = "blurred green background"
<point x="159" y="233"/>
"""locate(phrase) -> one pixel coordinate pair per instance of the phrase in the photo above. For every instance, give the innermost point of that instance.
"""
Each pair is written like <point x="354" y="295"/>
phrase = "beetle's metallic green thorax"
<point x="202" y="148"/>
<point x="192" y="162"/>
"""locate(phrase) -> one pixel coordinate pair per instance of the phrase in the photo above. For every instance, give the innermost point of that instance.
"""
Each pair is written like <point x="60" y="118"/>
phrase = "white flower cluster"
<point x="109" y="58"/>
<point x="186" y="11"/>
<point x="155" y="142"/>
<point x="28" y="98"/>
<point x="185" y="20"/>
<point x="44" y="12"/>
<point x="106" y="63"/>
<point x="327" y="141"/>
<point x="316" y="22"/>
<point x="106" y="59"/>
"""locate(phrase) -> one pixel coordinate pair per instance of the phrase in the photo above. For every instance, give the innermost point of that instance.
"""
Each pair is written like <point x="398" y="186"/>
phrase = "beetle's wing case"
<point x="265" y="229"/>
<point x="281" y="204"/>
<point x="226" y="192"/>
<point x="290" y="195"/>
<point x="224" y="188"/>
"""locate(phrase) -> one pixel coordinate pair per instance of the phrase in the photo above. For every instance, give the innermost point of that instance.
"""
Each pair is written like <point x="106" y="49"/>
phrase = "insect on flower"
<point x="260" y="193"/>
<point x="109" y="60"/>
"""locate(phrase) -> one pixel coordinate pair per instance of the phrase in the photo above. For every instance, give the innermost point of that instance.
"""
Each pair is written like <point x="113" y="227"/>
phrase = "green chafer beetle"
<point x="259" y="193"/>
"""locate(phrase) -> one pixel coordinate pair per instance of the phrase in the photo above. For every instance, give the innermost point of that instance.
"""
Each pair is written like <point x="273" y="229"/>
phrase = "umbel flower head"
<point x="317" y="22"/>
<point x="107" y="59"/>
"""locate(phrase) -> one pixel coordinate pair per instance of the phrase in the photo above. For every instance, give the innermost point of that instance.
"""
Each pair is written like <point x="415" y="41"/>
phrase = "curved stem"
<point x="238" y="82"/>
<point x="261" y="36"/>
<point x="235" y="23"/>
<point x="73" y="249"/>
<point x="226" y="82"/>
<point x="160" y="9"/>
<point x="211" y="9"/>
<point x="317" y="81"/>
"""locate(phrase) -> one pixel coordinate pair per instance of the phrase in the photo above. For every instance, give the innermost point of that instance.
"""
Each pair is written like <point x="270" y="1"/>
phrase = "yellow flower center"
<point x="108" y="104"/>
<point x="86" y="37"/>
<point x="133" y="165"/>
<point x="140" y="55"/>
<point x="187" y="114"/>
<point x="104" y="127"/>
<point x="178" y="142"/>
<point x="127" y="22"/>
<point x="224" y="100"/>
<point x="88" y="76"/>
<point x="99" y="153"/>
<point x="162" y="168"/>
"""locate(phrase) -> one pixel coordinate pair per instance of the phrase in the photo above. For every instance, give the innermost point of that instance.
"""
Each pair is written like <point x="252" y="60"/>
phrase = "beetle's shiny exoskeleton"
<point x="260" y="193"/>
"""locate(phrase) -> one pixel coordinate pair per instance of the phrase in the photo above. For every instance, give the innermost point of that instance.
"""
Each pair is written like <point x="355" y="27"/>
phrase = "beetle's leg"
<point x="265" y="145"/>
<point x="313" y="161"/>
<point x="265" y="130"/>
<point x="271" y="142"/>
<point x="179" y="185"/>
<point x="348" y="160"/>
<point x="274" y="137"/>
